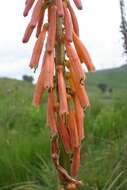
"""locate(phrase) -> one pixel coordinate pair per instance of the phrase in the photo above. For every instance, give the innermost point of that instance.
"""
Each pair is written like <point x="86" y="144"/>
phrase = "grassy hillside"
<point x="16" y="105"/>
<point x="115" y="78"/>
<point x="24" y="137"/>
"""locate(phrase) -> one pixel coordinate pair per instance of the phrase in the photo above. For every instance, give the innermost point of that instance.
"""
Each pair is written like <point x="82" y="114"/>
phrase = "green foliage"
<point x="27" y="78"/>
<point x="25" y="162"/>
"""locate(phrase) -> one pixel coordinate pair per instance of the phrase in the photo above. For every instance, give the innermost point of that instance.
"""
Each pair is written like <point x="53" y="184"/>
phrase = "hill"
<point x="115" y="78"/>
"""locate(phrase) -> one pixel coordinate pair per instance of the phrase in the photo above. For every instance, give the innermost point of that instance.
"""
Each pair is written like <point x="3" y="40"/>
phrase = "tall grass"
<point x="25" y="162"/>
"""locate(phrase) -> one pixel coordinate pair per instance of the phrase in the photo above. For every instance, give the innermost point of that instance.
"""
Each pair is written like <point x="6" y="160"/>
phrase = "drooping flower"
<point x="50" y="114"/>
<point x="49" y="71"/>
<point x="74" y="19"/>
<point x="79" y="116"/>
<point x="62" y="91"/>
<point x="75" y="162"/>
<point x="38" y="48"/>
<point x="78" y="4"/>
<point x="39" y="90"/>
<point x="27" y="33"/>
<point x="75" y="62"/>
<point x="72" y="128"/>
<point x="64" y="135"/>
<point x="28" y="6"/>
<point x="40" y="21"/>
<point x="68" y="25"/>
<point x="83" y="53"/>
<point x="51" y="28"/>
<point x="36" y="12"/>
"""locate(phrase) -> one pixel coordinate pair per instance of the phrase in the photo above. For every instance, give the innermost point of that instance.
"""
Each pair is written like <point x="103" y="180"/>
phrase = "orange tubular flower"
<point x="62" y="91"/>
<point x="60" y="11"/>
<point x="68" y="25"/>
<point x="73" y="17"/>
<point x="40" y="21"/>
<point x="72" y="128"/>
<point x="64" y="135"/>
<point x="75" y="162"/>
<point x="79" y="117"/>
<point x="39" y="90"/>
<point x="75" y="62"/>
<point x="29" y="4"/>
<point x="50" y="114"/>
<point x="28" y="33"/>
<point x="38" y="48"/>
<point x="36" y="12"/>
<point x="80" y="90"/>
<point x="78" y="4"/>
<point x="52" y="28"/>
<point x="83" y="53"/>
<point x="82" y="95"/>
<point x="49" y="71"/>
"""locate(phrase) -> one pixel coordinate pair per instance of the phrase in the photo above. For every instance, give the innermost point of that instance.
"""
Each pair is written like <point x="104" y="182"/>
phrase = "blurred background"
<point x="24" y="138"/>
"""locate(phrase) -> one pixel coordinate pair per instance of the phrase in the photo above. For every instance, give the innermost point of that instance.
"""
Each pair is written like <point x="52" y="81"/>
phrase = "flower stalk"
<point x="62" y="76"/>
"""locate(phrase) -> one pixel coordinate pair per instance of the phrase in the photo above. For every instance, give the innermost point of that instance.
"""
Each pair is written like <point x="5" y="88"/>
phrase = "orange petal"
<point x="29" y="4"/>
<point x="83" y="97"/>
<point x="64" y="135"/>
<point x="75" y="162"/>
<point x="75" y="62"/>
<point x="68" y="25"/>
<point x="52" y="28"/>
<point x="49" y="70"/>
<point x="79" y="117"/>
<point x="51" y="115"/>
<point x="74" y="19"/>
<point x="68" y="101"/>
<point x="27" y="33"/>
<point x="80" y="91"/>
<point x="38" y="48"/>
<point x="72" y="128"/>
<point x="40" y="21"/>
<point x="78" y="4"/>
<point x="36" y="12"/>
<point x="62" y="91"/>
<point x="39" y="90"/>
<point x="83" y="53"/>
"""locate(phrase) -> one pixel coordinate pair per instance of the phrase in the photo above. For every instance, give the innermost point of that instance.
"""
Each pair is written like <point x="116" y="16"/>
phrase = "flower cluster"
<point x="61" y="76"/>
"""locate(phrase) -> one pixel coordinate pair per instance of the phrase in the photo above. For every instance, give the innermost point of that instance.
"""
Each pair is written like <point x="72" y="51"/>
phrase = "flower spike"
<point x="62" y="76"/>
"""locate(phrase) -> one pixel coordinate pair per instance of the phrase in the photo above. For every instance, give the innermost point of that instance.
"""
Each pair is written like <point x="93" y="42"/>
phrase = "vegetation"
<point x="24" y="139"/>
<point x="27" y="78"/>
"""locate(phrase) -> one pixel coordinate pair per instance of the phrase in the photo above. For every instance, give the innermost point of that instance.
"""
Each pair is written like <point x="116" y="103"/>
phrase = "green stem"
<point x="60" y="55"/>
<point x="59" y="60"/>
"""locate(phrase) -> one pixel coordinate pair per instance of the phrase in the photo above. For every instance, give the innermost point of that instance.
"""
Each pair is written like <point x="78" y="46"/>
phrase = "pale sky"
<point x="99" y="30"/>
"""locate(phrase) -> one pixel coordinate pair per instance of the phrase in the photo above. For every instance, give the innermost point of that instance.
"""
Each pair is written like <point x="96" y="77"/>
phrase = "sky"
<point x="99" y="23"/>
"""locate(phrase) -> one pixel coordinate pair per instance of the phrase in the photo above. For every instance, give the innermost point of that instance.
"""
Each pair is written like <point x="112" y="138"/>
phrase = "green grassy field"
<point x="25" y="162"/>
